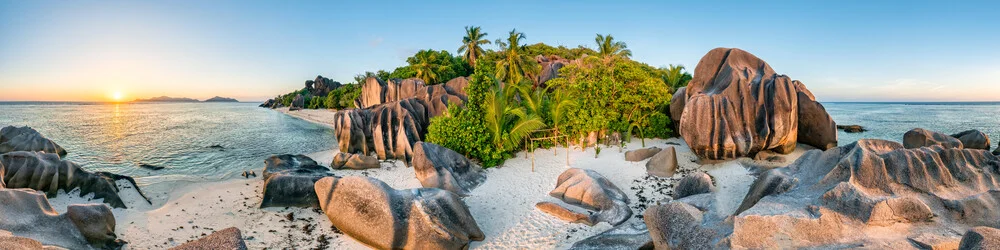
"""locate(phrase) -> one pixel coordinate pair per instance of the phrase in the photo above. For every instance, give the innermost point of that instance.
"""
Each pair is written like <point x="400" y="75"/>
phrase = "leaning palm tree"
<point x="471" y="44"/>
<point x="507" y="122"/>
<point x="513" y="63"/>
<point x="608" y="47"/>
<point x="426" y="65"/>
<point x="675" y="77"/>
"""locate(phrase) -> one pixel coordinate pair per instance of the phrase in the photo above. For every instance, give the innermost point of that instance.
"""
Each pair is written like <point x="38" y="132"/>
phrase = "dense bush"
<point x="401" y="73"/>
<point x="342" y="97"/>
<point x="437" y="66"/>
<point x="463" y="129"/>
<point x="659" y="126"/>
<point x="561" y="51"/>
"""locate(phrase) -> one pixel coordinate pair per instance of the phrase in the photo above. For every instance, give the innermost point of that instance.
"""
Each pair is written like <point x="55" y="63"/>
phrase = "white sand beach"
<point x="504" y="206"/>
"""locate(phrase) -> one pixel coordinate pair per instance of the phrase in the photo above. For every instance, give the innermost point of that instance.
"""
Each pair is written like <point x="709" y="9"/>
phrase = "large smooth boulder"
<point x="229" y="238"/>
<point x="27" y="213"/>
<point x="736" y="105"/>
<point x="696" y="183"/>
<point x="289" y="180"/>
<point x="299" y="102"/>
<point x="677" y="225"/>
<point x="381" y="217"/>
<point x="353" y="161"/>
<point x="677" y="105"/>
<point x="664" y="163"/>
<point x="440" y="167"/>
<point x="641" y="154"/>
<point x="48" y="173"/>
<point x="27" y="139"/>
<point x="919" y="137"/>
<point x="831" y="198"/>
<point x="980" y="238"/>
<point x="973" y="139"/>
<point x="589" y="190"/>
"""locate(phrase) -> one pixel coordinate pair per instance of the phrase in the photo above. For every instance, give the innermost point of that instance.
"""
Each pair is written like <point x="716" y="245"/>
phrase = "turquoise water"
<point x="117" y="137"/>
<point x="890" y="121"/>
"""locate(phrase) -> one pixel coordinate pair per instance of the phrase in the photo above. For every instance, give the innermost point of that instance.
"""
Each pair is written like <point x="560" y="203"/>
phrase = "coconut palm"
<point x="426" y="64"/>
<point x="471" y="44"/>
<point x="513" y="63"/>
<point x="608" y="47"/>
<point x="675" y="77"/>
<point x="506" y="120"/>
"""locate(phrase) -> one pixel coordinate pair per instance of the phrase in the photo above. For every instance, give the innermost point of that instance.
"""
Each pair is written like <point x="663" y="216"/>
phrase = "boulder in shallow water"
<point x="27" y="139"/>
<point x="919" y="137"/>
<point x="736" y="105"/>
<point x="641" y="154"/>
<point x="589" y="190"/>
<point x="980" y="238"/>
<point x="443" y="168"/>
<point x="47" y="173"/>
<point x="381" y="217"/>
<point x="353" y="161"/>
<point x="27" y="213"/>
<point x="696" y="183"/>
<point x="973" y="139"/>
<point x="229" y="238"/>
<point x="664" y="163"/>
<point x="852" y="128"/>
<point x="289" y="180"/>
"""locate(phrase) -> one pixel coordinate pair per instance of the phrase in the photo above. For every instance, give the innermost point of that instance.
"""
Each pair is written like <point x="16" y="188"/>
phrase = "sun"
<point x="117" y="96"/>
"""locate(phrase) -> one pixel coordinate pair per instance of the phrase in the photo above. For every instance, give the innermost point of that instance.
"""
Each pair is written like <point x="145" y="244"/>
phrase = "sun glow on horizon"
<point x="117" y="96"/>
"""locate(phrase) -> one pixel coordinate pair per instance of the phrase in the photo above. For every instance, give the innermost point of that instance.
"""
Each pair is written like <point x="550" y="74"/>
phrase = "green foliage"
<point x="401" y="73"/>
<point x="607" y="47"/>
<point x="615" y="94"/>
<point x="343" y="97"/>
<point x="463" y="129"/>
<point x="471" y="48"/>
<point x="561" y="51"/>
<point x="513" y="65"/>
<point x="437" y="66"/>
<point x="659" y="126"/>
<point x="675" y="77"/>
<point x="507" y="121"/>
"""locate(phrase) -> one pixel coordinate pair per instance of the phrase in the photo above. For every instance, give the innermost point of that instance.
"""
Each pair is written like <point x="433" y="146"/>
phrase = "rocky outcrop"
<point x="321" y="86"/>
<point x="353" y="161"/>
<point x="831" y="198"/>
<point x="641" y="154"/>
<point x="289" y="180"/>
<point x="736" y="105"/>
<point x="381" y="217"/>
<point x="589" y="190"/>
<point x="852" y="128"/>
<point x="973" y="139"/>
<point x="27" y="213"/>
<point x="440" y="167"/>
<point x="632" y="235"/>
<point x="550" y="68"/>
<point x="47" y="173"/>
<point x="980" y="238"/>
<point x="919" y="137"/>
<point x="299" y="102"/>
<point x="696" y="183"/>
<point x="664" y="163"/>
<point x="27" y="139"/>
<point x="677" y="106"/>
<point x="229" y="238"/>
<point x="394" y="116"/>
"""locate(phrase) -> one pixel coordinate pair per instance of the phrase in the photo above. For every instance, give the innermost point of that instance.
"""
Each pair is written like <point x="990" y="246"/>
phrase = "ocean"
<point x="118" y="137"/>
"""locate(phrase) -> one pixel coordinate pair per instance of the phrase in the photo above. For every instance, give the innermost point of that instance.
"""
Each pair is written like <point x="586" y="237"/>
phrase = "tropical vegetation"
<point x="471" y="48"/>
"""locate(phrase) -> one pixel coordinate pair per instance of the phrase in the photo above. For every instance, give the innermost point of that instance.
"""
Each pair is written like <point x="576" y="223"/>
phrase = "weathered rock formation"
<point x="632" y="235"/>
<point x="299" y="102"/>
<point x="11" y="242"/>
<point x="27" y="139"/>
<point x="973" y="139"/>
<point x="229" y="238"/>
<point x="832" y="198"/>
<point x="394" y="115"/>
<point x="375" y="214"/>
<point x="919" y="137"/>
<point x="852" y="128"/>
<point x="981" y="238"/>
<point x="641" y="154"/>
<point x="289" y="180"/>
<point x="589" y="190"/>
<point x="736" y="105"/>
<point x="47" y="173"/>
<point x="27" y="213"/>
<point x="353" y="161"/>
<point x="664" y="163"/>
<point x="440" y="167"/>
<point x="550" y="68"/>
<point x="696" y="183"/>
<point x="321" y="86"/>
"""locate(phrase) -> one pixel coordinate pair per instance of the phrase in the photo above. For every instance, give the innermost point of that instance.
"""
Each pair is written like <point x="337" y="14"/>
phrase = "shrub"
<point x="463" y="129"/>
<point x="659" y="126"/>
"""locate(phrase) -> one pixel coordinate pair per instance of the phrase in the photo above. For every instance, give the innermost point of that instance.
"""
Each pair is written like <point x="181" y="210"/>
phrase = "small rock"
<point x="150" y="167"/>
<point x="641" y="154"/>
<point x="852" y="128"/>
<point x="664" y="163"/>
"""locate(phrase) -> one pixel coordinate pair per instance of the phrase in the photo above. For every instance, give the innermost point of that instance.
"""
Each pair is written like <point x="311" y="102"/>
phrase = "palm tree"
<point x="507" y="122"/>
<point x="607" y="47"/>
<point x="675" y="77"/>
<point x="471" y="44"/>
<point x="426" y="63"/>
<point x="513" y="64"/>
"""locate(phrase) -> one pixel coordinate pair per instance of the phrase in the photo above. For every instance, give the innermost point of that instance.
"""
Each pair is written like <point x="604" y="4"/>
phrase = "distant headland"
<point x="184" y="99"/>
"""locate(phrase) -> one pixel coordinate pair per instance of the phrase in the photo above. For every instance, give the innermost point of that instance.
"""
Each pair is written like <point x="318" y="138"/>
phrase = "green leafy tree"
<point x="608" y="47"/>
<point x="401" y="73"/>
<point x="675" y="77"/>
<point x="471" y="48"/>
<point x="436" y="66"/>
<point x="561" y="51"/>
<point x="507" y="121"/>
<point x="513" y="65"/>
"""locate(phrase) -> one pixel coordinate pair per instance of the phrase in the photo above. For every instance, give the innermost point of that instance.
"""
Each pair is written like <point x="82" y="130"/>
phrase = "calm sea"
<point x="117" y="137"/>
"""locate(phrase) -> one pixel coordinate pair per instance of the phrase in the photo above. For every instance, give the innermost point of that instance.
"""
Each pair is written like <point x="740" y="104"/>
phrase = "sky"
<point x="253" y="50"/>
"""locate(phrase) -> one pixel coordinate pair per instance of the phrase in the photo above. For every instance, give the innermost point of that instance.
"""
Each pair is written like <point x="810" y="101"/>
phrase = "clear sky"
<point x="252" y="50"/>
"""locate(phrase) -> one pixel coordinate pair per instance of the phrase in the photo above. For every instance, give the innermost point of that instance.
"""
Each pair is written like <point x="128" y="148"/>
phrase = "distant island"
<point x="221" y="99"/>
<point x="167" y="99"/>
<point x="185" y="99"/>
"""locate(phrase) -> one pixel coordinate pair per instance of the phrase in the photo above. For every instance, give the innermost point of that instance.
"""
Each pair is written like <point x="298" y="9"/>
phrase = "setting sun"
<point x="117" y="96"/>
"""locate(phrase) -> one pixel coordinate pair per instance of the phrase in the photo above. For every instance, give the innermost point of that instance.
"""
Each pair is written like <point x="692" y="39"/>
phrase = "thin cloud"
<point x="376" y="42"/>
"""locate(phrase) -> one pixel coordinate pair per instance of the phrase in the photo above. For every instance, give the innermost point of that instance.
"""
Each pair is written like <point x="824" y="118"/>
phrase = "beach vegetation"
<point x="437" y="66"/>
<point x="608" y="47"/>
<point x="513" y="65"/>
<point x="471" y="48"/>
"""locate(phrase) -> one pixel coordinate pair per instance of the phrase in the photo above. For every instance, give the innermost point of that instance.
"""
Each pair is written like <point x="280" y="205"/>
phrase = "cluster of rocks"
<point x="394" y="116"/>
<point x="736" y="105"/>
<point x="970" y="139"/>
<point x="589" y="190"/>
<point x="321" y="86"/>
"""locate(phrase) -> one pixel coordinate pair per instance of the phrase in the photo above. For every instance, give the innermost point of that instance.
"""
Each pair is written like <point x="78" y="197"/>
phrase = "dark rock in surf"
<point x="47" y="173"/>
<point x="852" y="128"/>
<point x="150" y="167"/>
<point x="289" y="180"/>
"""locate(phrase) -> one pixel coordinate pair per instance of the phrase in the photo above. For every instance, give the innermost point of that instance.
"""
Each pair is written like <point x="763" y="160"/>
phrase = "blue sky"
<point x="251" y="50"/>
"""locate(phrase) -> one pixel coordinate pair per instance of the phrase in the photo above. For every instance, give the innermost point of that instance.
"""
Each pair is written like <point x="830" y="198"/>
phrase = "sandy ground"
<point x="503" y="206"/>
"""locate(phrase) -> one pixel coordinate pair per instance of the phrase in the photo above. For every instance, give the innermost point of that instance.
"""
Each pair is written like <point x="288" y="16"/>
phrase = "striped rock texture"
<point x="27" y="139"/>
<point x="47" y="173"/>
